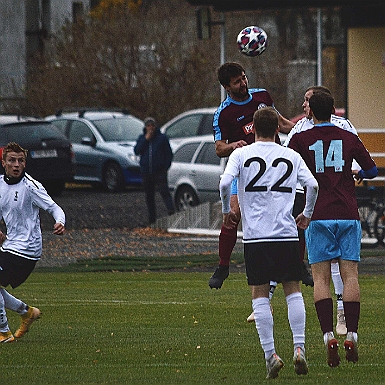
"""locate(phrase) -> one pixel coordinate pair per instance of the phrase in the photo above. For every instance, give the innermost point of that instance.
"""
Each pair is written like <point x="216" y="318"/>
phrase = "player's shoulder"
<point x="32" y="184"/>
<point x="343" y="123"/>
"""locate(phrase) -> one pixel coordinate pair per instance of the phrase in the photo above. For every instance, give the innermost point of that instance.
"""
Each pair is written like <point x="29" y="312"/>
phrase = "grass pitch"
<point x="170" y="328"/>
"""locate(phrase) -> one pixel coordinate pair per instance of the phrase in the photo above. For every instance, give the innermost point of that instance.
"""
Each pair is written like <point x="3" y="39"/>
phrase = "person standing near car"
<point x="156" y="155"/>
<point x="21" y="198"/>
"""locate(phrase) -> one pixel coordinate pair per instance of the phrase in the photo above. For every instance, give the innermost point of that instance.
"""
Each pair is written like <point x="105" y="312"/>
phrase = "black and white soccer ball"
<point x="252" y="41"/>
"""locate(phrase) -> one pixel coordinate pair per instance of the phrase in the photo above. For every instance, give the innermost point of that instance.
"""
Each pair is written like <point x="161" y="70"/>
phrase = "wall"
<point x="366" y="77"/>
<point x="12" y="47"/>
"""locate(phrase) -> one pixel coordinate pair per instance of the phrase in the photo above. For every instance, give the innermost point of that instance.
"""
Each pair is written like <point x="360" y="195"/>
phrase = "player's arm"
<point x="224" y="149"/>
<point x="360" y="175"/>
<point x="229" y="217"/>
<point x="285" y="125"/>
<point x="303" y="219"/>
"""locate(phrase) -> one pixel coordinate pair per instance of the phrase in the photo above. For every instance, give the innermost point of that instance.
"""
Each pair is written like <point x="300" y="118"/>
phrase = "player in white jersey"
<point x="307" y="123"/>
<point x="267" y="176"/>
<point x="21" y="198"/>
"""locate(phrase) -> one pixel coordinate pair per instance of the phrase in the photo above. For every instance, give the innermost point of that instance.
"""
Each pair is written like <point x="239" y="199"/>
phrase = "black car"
<point x="50" y="158"/>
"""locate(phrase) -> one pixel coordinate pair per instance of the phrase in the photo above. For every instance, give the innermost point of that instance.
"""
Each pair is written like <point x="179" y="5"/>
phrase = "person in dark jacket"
<point x="155" y="160"/>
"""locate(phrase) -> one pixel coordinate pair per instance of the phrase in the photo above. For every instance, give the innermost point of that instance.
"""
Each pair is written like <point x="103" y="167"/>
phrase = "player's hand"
<point x="302" y="221"/>
<point x="356" y="177"/>
<point x="58" y="228"/>
<point x="2" y="237"/>
<point x="230" y="220"/>
<point x="239" y="144"/>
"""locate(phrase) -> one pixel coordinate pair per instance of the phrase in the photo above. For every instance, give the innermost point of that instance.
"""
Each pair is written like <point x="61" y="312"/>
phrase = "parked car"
<point x="193" y="123"/>
<point x="103" y="142"/>
<point x="13" y="118"/>
<point x="195" y="171"/>
<point x="50" y="158"/>
<point x="189" y="123"/>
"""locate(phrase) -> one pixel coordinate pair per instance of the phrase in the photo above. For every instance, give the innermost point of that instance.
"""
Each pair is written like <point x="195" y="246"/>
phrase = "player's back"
<point x="328" y="152"/>
<point x="266" y="190"/>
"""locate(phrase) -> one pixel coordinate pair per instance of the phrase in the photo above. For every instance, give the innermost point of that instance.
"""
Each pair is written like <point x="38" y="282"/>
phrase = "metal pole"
<point x="222" y="58"/>
<point x="319" y="47"/>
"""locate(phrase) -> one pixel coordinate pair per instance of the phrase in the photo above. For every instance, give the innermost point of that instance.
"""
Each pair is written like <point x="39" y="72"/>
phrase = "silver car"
<point x="195" y="171"/>
<point x="189" y="123"/>
<point x="103" y="143"/>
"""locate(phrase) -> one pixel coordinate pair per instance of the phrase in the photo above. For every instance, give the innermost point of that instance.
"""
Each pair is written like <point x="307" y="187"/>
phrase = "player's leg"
<point x="350" y="256"/>
<point x="227" y="241"/>
<point x="273" y="285"/>
<point x="322" y="247"/>
<point x="258" y="272"/>
<point x="297" y="320"/>
<point x="299" y="204"/>
<point x="264" y="324"/>
<point x="324" y="308"/>
<point x="5" y="332"/>
<point x="338" y="289"/>
<point x="27" y="313"/>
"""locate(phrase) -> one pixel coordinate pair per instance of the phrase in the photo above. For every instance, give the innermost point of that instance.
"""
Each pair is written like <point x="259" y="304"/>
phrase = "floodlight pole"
<point x="223" y="38"/>
<point x="319" y="47"/>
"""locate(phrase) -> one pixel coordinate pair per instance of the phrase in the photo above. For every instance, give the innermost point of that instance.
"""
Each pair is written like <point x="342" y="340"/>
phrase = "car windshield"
<point x="123" y="129"/>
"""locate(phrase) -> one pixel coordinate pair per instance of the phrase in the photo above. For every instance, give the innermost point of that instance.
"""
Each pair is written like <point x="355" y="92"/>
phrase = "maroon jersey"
<point x="329" y="151"/>
<point x="233" y="120"/>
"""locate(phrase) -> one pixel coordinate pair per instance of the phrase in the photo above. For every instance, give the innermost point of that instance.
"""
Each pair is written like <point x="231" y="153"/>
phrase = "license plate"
<point x="44" y="154"/>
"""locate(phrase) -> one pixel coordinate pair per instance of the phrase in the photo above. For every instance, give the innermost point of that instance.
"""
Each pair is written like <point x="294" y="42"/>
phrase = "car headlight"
<point x="133" y="158"/>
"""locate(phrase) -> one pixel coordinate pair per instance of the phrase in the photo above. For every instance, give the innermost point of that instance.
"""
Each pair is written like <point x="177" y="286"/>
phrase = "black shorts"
<point x="272" y="261"/>
<point x="14" y="270"/>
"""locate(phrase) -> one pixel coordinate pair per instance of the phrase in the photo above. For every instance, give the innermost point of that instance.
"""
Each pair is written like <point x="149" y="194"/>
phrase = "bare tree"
<point x="148" y="61"/>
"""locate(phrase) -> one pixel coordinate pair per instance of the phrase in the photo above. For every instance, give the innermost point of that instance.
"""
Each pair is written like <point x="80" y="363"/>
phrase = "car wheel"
<point x="112" y="177"/>
<point x="185" y="197"/>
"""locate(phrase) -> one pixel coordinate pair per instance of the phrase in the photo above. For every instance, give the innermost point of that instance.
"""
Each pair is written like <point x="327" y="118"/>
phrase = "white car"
<point x="195" y="171"/>
<point x="189" y="123"/>
<point x="193" y="123"/>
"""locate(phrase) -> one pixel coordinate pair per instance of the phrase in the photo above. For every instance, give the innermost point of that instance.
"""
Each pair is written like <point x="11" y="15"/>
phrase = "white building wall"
<point x="12" y="48"/>
<point x="22" y="24"/>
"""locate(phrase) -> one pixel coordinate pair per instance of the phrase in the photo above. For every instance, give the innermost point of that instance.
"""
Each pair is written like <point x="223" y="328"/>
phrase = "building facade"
<point x="23" y="26"/>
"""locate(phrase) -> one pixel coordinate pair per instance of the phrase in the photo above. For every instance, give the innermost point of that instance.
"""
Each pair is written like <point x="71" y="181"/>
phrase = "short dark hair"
<point x="227" y="71"/>
<point x="265" y="122"/>
<point x="13" y="147"/>
<point x="322" y="105"/>
<point x="319" y="89"/>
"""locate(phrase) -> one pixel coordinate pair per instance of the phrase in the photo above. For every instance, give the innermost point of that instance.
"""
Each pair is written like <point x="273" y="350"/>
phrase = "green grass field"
<point x="170" y="328"/>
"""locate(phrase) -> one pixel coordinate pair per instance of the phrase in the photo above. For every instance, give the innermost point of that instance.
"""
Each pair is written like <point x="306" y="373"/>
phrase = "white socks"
<point x="338" y="284"/>
<point x="13" y="303"/>
<point x="264" y="324"/>
<point x="297" y="318"/>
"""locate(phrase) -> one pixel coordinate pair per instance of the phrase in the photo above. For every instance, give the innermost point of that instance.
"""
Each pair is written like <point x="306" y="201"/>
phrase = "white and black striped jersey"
<point x="20" y="204"/>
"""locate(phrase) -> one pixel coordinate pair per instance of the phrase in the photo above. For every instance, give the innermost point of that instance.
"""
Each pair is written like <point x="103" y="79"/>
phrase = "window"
<point x="185" y="153"/>
<point x="207" y="125"/>
<point x="78" y="131"/>
<point x="207" y="155"/>
<point x="185" y="127"/>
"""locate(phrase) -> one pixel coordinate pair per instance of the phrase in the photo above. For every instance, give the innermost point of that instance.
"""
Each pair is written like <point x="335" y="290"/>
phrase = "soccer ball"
<point x="252" y="41"/>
